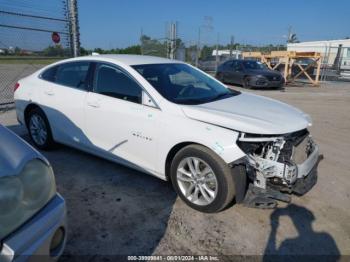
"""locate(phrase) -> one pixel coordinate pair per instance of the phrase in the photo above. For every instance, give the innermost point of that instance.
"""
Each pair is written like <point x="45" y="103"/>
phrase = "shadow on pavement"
<point x="307" y="246"/>
<point x="111" y="209"/>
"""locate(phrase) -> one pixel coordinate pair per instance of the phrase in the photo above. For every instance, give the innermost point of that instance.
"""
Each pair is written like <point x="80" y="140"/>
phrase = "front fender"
<point x="220" y="140"/>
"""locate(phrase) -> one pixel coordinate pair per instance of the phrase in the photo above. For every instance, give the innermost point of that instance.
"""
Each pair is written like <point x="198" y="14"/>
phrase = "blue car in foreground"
<point x="32" y="213"/>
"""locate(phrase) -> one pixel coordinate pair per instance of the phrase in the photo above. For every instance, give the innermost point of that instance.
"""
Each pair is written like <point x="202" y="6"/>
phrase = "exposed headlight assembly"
<point x="23" y="195"/>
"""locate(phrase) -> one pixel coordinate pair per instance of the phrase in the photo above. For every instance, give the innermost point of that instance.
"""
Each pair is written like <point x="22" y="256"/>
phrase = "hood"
<point x="250" y="114"/>
<point x="14" y="153"/>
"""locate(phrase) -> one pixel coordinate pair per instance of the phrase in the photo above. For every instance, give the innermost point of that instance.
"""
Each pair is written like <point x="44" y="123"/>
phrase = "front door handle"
<point x="49" y="93"/>
<point x="93" y="104"/>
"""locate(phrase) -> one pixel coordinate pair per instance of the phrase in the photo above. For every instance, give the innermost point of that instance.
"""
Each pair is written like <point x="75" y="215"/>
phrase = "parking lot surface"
<point x="116" y="210"/>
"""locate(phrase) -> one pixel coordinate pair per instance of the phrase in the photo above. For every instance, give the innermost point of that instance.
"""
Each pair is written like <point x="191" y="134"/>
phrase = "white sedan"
<point x="171" y="120"/>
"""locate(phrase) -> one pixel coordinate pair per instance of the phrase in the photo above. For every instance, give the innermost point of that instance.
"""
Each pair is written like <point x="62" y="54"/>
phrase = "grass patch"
<point x="29" y="60"/>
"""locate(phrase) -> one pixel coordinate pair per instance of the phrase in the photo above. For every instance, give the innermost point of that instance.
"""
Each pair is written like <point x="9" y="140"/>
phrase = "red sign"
<point x="55" y="37"/>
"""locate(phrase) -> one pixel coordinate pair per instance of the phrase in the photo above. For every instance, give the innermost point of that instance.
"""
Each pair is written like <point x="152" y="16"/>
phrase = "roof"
<point x="344" y="42"/>
<point x="136" y="59"/>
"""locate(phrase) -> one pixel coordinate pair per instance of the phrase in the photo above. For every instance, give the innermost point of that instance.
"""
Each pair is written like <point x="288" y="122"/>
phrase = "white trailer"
<point x="328" y="49"/>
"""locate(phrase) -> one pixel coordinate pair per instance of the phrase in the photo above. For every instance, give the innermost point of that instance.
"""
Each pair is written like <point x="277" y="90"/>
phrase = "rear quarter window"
<point x="50" y="74"/>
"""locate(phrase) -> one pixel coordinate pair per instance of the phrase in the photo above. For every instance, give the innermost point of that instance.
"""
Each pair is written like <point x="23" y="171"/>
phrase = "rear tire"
<point x="220" y="77"/>
<point x="211" y="187"/>
<point x="39" y="129"/>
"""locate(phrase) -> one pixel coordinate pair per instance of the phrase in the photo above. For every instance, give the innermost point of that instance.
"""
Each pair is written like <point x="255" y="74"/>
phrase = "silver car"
<point x="32" y="213"/>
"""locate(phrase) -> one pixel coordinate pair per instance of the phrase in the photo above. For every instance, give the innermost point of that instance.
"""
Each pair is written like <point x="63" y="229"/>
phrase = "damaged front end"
<point x="278" y="166"/>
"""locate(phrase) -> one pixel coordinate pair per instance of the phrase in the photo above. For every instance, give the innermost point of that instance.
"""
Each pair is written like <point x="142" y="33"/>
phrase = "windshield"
<point x="253" y="65"/>
<point x="182" y="84"/>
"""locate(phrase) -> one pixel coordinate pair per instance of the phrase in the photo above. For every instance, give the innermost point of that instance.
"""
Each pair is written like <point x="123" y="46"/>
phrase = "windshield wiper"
<point x="222" y="95"/>
<point x="189" y="101"/>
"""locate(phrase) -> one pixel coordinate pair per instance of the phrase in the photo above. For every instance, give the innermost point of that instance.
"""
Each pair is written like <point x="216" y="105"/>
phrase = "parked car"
<point x="32" y="213"/>
<point x="171" y="120"/>
<point x="249" y="73"/>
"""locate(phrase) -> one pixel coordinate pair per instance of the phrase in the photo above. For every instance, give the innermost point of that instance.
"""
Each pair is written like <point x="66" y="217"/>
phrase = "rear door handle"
<point x="49" y="93"/>
<point x="93" y="104"/>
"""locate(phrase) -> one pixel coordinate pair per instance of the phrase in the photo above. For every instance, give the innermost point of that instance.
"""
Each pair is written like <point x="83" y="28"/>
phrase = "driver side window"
<point x="111" y="81"/>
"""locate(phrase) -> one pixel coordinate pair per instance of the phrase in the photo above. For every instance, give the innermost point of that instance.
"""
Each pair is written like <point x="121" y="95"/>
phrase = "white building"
<point x="235" y="53"/>
<point x="328" y="50"/>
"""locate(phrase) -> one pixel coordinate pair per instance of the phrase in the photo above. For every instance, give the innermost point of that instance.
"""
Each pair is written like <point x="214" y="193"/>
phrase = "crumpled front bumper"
<point x="307" y="173"/>
<point x="266" y="198"/>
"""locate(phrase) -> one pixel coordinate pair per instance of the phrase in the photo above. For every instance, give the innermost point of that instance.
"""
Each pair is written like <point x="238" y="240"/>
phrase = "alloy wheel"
<point x="38" y="129"/>
<point x="197" y="181"/>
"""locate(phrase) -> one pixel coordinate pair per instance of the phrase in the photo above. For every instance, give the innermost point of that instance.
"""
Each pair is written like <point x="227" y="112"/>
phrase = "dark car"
<point x="249" y="73"/>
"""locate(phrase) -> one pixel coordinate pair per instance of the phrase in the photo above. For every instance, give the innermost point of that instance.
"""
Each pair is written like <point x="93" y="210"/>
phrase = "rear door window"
<point x="236" y="66"/>
<point x="73" y="74"/>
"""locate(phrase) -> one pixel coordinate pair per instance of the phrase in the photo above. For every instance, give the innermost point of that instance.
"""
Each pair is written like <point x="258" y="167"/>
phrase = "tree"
<point x="83" y="51"/>
<point x="99" y="50"/>
<point x="153" y="47"/>
<point x="207" y="51"/>
<point x="292" y="38"/>
<point x="56" y="50"/>
<point x="17" y="50"/>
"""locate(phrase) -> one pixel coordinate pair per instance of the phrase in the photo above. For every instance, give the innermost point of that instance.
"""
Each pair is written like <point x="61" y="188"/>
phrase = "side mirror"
<point x="147" y="100"/>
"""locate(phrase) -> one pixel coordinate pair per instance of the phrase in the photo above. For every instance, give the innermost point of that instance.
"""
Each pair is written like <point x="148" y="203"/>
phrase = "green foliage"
<point x="56" y="51"/>
<point x="83" y="51"/>
<point x="153" y="47"/>
<point x="159" y="47"/>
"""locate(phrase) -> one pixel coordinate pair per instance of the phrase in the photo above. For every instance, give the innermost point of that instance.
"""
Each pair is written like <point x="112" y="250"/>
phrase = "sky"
<point x="118" y="23"/>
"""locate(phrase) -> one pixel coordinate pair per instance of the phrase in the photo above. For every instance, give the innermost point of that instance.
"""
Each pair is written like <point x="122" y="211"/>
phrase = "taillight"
<point x="16" y="86"/>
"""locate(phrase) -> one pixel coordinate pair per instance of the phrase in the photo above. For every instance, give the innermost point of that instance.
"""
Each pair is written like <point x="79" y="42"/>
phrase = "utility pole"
<point x="74" y="27"/>
<point x="172" y="38"/>
<point x="231" y="45"/>
<point x="198" y="47"/>
<point x="141" y="41"/>
<point x="217" y="52"/>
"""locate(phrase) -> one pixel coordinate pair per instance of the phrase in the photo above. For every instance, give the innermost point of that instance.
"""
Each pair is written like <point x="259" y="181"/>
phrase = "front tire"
<point x="39" y="129"/>
<point x="202" y="179"/>
<point x="245" y="83"/>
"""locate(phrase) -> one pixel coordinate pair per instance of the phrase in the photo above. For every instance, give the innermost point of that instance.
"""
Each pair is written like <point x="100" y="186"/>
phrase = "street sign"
<point x="55" y="37"/>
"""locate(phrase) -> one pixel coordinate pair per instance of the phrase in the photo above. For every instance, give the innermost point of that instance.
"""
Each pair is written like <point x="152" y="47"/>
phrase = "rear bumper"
<point x="31" y="242"/>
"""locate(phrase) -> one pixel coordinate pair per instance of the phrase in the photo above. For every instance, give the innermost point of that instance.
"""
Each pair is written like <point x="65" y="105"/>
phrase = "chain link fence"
<point x="33" y="33"/>
<point x="335" y="61"/>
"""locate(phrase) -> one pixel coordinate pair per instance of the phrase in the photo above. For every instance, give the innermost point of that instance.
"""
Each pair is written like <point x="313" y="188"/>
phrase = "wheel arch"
<point x="171" y="154"/>
<point x="27" y="110"/>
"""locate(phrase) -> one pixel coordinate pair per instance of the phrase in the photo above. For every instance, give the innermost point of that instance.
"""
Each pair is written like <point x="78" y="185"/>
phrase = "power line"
<point x="33" y="16"/>
<point x="33" y="29"/>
